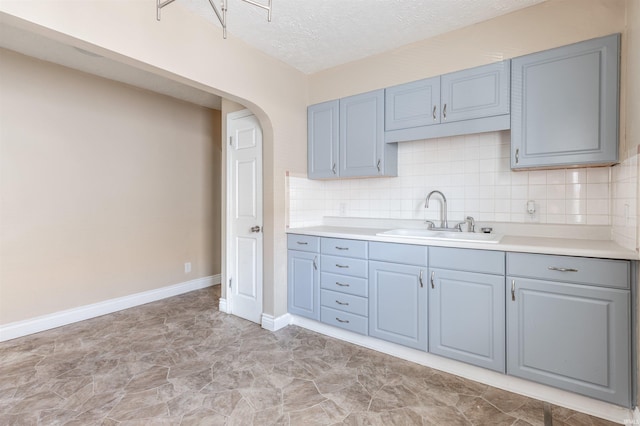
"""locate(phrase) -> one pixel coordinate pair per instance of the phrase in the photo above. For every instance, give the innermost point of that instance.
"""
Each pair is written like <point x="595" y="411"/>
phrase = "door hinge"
<point x="230" y="279"/>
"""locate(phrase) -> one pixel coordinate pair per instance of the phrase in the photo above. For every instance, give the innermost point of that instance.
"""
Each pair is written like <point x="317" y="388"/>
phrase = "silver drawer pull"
<point x="434" y="113"/>
<point x="342" y="303"/>
<point x="342" y="266"/>
<point x="341" y="285"/>
<point x="342" y="248"/>
<point x="555" y="268"/>
<point x="302" y="243"/>
<point x="513" y="290"/>
<point x="315" y="265"/>
<point x="343" y="321"/>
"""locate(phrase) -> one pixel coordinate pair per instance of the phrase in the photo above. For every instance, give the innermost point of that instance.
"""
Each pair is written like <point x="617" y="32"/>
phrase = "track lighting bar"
<point x="220" y="14"/>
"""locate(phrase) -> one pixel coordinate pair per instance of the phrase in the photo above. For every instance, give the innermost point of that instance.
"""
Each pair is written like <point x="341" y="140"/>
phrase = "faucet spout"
<point x="444" y="223"/>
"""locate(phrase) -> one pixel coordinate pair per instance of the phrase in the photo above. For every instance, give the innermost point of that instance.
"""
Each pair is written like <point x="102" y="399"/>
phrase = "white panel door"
<point x="245" y="215"/>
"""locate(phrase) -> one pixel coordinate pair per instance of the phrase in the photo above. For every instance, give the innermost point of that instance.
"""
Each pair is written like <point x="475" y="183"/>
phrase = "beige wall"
<point x="190" y="50"/>
<point x="106" y="190"/>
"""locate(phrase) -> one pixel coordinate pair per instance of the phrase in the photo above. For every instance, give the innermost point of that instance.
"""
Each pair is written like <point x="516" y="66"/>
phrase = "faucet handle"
<point x="472" y="223"/>
<point x="430" y="224"/>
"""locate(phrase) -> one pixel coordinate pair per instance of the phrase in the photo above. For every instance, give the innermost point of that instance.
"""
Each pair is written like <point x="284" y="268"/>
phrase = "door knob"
<point x="255" y="229"/>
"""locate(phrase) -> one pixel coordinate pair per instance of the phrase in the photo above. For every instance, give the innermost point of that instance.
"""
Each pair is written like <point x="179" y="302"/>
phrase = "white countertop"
<point x="525" y="244"/>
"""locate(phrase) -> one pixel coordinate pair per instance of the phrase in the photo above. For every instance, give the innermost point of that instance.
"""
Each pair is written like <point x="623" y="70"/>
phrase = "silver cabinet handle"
<point x="343" y="321"/>
<point x="342" y="266"/>
<point x="378" y="165"/>
<point x="302" y="243"/>
<point x="342" y="248"/>
<point x="434" y="113"/>
<point x="341" y="285"/>
<point x="315" y="265"/>
<point x="421" y="283"/>
<point x="255" y="229"/>
<point x="433" y="275"/>
<point x="555" y="268"/>
<point x="342" y="303"/>
<point x="513" y="290"/>
<point x="333" y="169"/>
<point x="444" y="112"/>
<point x="517" y="155"/>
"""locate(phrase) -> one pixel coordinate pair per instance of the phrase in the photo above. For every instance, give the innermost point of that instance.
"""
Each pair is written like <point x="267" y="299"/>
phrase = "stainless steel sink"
<point x="425" y="234"/>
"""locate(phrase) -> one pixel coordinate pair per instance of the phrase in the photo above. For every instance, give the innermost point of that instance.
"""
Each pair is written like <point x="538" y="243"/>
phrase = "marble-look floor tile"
<point x="181" y="361"/>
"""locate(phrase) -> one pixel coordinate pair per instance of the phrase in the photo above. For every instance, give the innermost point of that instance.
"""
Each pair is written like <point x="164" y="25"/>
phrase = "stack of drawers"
<point x="344" y="284"/>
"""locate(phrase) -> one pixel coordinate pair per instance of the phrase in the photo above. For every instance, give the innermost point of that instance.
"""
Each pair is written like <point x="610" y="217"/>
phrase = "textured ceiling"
<point x="312" y="35"/>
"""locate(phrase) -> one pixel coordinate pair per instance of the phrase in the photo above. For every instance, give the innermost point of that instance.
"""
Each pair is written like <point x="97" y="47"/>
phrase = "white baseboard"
<point x="57" y="319"/>
<point x="555" y="396"/>
<point x="269" y="322"/>
<point x="222" y="306"/>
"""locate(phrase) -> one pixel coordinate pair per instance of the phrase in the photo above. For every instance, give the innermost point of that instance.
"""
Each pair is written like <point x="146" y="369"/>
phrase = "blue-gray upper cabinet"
<point x="412" y="104"/>
<point x="469" y="101"/>
<point x="466" y="306"/>
<point x="322" y="137"/>
<point x="476" y="93"/>
<point x="564" y="105"/>
<point x="362" y="148"/>
<point x="568" y="335"/>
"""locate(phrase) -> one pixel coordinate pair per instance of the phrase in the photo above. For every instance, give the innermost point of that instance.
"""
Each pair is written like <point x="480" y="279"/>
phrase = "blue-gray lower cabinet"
<point x="398" y="303"/>
<point x="466" y="317"/>
<point x="574" y="337"/>
<point x="303" y="296"/>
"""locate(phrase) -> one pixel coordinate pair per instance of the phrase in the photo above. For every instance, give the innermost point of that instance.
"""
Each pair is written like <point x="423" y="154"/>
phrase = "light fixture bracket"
<point x="221" y="14"/>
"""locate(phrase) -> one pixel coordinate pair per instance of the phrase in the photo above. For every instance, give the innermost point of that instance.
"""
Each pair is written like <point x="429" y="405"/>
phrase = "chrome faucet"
<point x="443" y="223"/>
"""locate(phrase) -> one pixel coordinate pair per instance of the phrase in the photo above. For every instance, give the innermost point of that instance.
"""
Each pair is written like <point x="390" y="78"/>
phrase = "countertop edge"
<point x="510" y="243"/>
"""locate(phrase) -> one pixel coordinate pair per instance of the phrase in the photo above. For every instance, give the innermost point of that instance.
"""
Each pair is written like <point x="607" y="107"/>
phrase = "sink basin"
<point x="426" y="234"/>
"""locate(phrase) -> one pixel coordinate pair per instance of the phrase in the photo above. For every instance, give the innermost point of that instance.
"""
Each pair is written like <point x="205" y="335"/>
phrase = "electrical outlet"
<point x="187" y="267"/>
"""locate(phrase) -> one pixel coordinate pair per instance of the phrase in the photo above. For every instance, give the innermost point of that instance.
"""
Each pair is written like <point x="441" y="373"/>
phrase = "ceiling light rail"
<point x="221" y="14"/>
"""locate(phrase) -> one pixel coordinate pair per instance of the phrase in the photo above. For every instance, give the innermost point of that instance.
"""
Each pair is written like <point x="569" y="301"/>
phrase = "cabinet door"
<point x="362" y="148"/>
<point x="564" y="105"/>
<point x="466" y="317"/>
<point x="570" y="336"/>
<point x="398" y="304"/>
<point x="322" y="140"/>
<point x="303" y="284"/>
<point x="476" y="93"/>
<point x="412" y="104"/>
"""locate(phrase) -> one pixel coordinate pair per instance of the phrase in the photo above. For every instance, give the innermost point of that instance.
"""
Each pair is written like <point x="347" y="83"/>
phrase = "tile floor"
<point x="182" y="362"/>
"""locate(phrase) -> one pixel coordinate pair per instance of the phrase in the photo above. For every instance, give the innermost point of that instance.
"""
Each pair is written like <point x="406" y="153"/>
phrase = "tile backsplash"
<point x="474" y="173"/>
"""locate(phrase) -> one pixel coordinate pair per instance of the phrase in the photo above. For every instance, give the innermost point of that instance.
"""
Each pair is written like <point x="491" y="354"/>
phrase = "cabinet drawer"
<point x="344" y="266"/>
<point x="344" y="284"/>
<point x="398" y="253"/>
<point x="578" y="270"/>
<point x="345" y="320"/>
<point x="303" y="242"/>
<point x="345" y="302"/>
<point x="483" y="261"/>
<point x="339" y="247"/>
